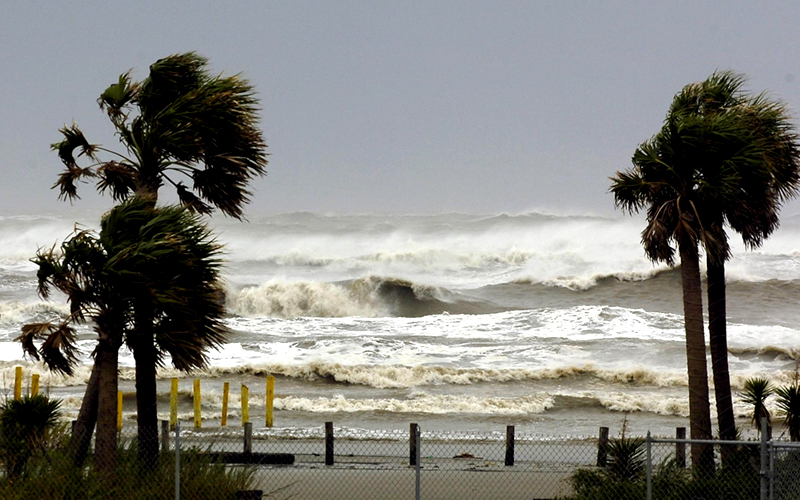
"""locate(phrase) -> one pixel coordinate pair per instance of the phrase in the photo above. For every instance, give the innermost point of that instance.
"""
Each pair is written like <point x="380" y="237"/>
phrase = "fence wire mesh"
<point x="242" y="463"/>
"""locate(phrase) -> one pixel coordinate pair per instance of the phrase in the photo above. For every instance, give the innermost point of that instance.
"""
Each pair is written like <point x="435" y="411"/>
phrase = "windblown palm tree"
<point x="668" y="180"/>
<point x="179" y="124"/>
<point x="720" y="157"/>
<point x="163" y="255"/>
<point x="757" y="167"/>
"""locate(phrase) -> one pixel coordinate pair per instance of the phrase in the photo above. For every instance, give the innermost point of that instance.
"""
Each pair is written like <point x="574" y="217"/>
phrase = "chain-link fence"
<point x="409" y="463"/>
<point x="339" y="463"/>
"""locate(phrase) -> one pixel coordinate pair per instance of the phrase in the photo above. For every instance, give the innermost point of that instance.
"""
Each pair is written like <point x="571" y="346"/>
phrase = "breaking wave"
<point x="366" y="297"/>
<point x="397" y="376"/>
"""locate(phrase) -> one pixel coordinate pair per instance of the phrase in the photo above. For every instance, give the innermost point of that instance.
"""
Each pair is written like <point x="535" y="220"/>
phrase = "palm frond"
<point x="192" y="202"/>
<point x="116" y="177"/>
<point x="73" y="139"/>
<point x="117" y="97"/>
<point x="59" y="350"/>
<point x="30" y="334"/>
<point x="788" y="403"/>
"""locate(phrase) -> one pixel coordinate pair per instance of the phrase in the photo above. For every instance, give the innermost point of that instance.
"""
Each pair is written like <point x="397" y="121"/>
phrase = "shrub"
<point x="26" y="426"/>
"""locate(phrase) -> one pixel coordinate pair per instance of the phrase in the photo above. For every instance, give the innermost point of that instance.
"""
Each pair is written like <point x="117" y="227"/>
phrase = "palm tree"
<point x="180" y="122"/>
<point x="163" y="254"/>
<point x="667" y="184"/>
<point x="755" y="169"/>
<point x="720" y="157"/>
<point x="677" y="175"/>
<point x="755" y="393"/>
<point x="789" y="406"/>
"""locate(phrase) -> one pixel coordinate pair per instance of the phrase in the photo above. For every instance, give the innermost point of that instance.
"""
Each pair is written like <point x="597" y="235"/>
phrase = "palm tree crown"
<point x="178" y="122"/>
<point x="165" y="255"/>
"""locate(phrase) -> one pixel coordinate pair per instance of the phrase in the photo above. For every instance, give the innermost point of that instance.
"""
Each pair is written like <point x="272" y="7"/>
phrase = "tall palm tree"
<point x="164" y="254"/>
<point x="665" y="182"/>
<point x="756" y="168"/>
<point x="180" y="123"/>
<point x="721" y="157"/>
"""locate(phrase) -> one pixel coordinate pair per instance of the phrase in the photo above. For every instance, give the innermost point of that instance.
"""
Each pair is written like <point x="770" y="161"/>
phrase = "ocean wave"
<point x="583" y="283"/>
<point x="639" y="402"/>
<point x="398" y="376"/>
<point x="767" y="350"/>
<point x="371" y="296"/>
<point x="15" y="312"/>
<point x="422" y="403"/>
<point x="293" y="299"/>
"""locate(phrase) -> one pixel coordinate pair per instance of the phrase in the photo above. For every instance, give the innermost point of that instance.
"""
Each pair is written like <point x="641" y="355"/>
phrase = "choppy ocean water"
<point x="556" y="324"/>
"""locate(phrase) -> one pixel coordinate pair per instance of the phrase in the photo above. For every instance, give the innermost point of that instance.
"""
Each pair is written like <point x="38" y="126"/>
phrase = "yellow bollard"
<point x="119" y="411"/>
<point x="270" y="397"/>
<point x="225" y="388"/>
<point x="245" y="405"/>
<point x="18" y="382"/>
<point x="173" y="404"/>
<point x="35" y="384"/>
<point x="198" y="422"/>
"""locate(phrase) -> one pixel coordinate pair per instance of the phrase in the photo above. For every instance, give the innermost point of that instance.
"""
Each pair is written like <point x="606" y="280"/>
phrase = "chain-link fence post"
<point x="417" y="461"/>
<point x="771" y="470"/>
<point x="764" y="457"/>
<point x="177" y="461"/>
<point x="328" y="443"/>
<point x="649" y="467"/>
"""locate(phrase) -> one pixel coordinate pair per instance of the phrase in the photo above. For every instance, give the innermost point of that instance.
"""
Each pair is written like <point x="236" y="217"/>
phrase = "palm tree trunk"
<point x="718" y="342"/>
<point x="696" y="364"/>
<point x="146" y="389"/>
<point x="146" y="359"/>
<point x="106" y="443"/>
<point x="87" y="418"/>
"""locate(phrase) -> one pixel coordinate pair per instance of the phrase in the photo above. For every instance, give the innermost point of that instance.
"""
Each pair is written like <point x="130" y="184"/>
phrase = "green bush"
<point x="737" y="480"/>
<point x="201" y="479"/>
<point x="28" y="427"/>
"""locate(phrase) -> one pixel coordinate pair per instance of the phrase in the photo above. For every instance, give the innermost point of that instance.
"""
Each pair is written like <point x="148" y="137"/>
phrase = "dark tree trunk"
<point x="718" y="342"/>
<point x="144" y="354"/>
<point x="106" y="443"/>
<point x="146" y="389"/>
<point x="696" y="364"/>
<point x="87" y="418"/>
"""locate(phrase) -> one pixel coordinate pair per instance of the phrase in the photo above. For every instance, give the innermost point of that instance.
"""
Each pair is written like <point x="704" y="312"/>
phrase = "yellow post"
<point x="18" y="382"/>
<point x="245" y="405"/>
<point x="119" y="411"/>
<point x="35" y="384"/>
<point x="225" y="388"/>
<point x="270" y="397"/>
<point x="197" y="418"/>
<point x="173" y="404"/>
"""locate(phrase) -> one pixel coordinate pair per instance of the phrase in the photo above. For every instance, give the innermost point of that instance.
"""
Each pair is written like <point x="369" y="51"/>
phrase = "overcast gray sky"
<point x="402" y="106"/>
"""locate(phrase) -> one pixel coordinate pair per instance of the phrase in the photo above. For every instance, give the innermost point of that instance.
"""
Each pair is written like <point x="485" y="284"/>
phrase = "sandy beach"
<point x="372" y="483"/>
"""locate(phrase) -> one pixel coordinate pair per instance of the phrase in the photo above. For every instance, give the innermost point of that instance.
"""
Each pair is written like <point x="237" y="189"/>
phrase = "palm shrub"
<point x="626" y="458"/>
<point x="788" y="402"/>
<point x="24" y="427"/>
<point x="755" y="393"/>
<point x="201" y="479"/>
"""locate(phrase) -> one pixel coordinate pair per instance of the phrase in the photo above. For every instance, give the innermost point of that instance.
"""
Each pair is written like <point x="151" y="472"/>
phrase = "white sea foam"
<point x="16" y="313"/>
<point x="422" y="403"/>
<point x="292" y="299"/>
